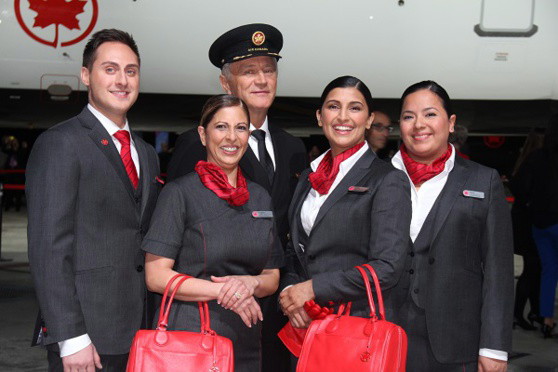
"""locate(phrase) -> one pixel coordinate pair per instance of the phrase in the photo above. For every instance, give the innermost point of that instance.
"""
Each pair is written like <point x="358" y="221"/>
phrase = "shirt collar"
<point x="264" y="127"/>
<point x="314" y="165"/>
<point x="397" y="162"/>
<point x="109" y="125"/>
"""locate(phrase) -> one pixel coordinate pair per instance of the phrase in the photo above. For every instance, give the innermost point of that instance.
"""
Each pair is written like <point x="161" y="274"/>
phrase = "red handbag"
<point x="162" y="350"/>
<point x="341" y="342"/>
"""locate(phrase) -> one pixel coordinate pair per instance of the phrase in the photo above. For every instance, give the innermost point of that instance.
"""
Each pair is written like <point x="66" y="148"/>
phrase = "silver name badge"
<point x="262" y="214"/>
<point x="358" y="189"/>
<point x="473" y="194"/>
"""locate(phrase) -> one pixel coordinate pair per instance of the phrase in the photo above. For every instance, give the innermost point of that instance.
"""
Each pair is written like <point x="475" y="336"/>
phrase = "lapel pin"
<point x="358" y="189"/>
<point x="104" y="142"/>
<point x="473" y="194"/>
<point x="158" y="179"/>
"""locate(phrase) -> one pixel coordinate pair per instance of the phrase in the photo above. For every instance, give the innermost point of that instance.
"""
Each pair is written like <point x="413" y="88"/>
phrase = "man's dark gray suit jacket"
<point x="464" y="278"/>
<point x="368" y="224"/>
<point x="86" y="224"/>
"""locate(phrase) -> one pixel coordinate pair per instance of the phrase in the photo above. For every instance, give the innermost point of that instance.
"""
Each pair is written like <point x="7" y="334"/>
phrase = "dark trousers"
<point x="528" y="286"/>
<point x="111" y="363"/>
<point x="275" y="356"/>
<point x="420" y="357"/>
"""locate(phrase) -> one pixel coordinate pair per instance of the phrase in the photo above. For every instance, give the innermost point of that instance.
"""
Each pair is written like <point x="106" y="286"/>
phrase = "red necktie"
<point x="420" y="173"/>
<point x="123" y="136"/>
<point x="213" y="177"/>
<point x="323" y="177"/>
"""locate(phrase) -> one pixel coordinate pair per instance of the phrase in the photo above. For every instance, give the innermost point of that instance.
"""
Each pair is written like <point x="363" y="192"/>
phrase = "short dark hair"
<point x="432" y="86"/>
<point x="216" y="103"/>
<point x="348" y="82"/>
<point x="104" y="36"/>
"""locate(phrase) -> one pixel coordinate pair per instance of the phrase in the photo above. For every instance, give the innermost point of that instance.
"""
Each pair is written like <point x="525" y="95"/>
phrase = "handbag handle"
<point x="368" y="292"/>
<point x="167" y="301"/>
<point x="205" y="324"/>
<point x="378" y="290"/>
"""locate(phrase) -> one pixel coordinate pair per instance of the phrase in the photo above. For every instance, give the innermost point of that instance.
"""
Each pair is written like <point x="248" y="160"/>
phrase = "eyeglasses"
<point x="380" y="128"/>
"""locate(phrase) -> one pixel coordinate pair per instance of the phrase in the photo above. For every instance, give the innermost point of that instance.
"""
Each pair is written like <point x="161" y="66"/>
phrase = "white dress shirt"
<point x="73" y="345"/>
<point x="314" y="200"/>
<point x="112" y="128"/>
<point x="422" y="200"/>
<point x="268" y="142"/>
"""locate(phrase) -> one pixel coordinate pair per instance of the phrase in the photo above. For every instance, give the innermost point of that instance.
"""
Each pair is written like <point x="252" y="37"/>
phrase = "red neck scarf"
<point x="213" y="177"/>
<point x="323" y="177"/>
<point x="420" y="173"/>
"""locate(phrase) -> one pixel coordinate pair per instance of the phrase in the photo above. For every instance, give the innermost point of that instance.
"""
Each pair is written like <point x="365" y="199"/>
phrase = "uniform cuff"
<point x="73" y="345"/>
<point x="494" y="354"/>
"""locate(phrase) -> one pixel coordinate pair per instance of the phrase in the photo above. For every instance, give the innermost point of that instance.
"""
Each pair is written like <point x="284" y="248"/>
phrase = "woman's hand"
<point x="300" y="319"/>
<point x="292" y="299"/>
<point x="235" y="290"/>
<point x="249" y="311"/>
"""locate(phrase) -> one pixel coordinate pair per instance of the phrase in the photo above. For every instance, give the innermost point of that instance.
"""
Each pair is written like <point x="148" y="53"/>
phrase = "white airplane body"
<point x="387" y="45"/>
<point x="477" y="49"/>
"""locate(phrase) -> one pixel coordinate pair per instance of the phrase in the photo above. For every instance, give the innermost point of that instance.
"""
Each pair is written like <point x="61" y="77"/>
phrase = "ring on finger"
<point x="238" y="295"/>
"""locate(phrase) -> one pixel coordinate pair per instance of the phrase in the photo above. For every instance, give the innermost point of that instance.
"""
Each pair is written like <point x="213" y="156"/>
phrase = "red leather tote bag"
<point x="341" y="342"/>
<point x="162" y="350"/>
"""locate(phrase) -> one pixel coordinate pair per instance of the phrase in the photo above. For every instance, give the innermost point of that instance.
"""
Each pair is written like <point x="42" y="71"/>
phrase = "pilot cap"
<point x="247" y="41"/>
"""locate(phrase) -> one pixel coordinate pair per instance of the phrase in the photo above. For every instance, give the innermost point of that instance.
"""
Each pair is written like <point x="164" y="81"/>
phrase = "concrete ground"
<point x="18" y="311"/>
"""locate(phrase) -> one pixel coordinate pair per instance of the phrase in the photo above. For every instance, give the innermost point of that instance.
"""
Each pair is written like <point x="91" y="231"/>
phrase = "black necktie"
<point x="265" y="159"/>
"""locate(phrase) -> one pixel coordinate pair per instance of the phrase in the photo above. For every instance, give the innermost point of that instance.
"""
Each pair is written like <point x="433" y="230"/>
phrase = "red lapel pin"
<point x="104" y="142"/>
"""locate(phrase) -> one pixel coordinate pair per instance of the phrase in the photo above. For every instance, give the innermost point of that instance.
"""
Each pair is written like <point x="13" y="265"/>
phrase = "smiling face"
<point x="226" y="137"/>
<point x="344" y="118"/>
<point x="425" y="126"/>
<point x="113" y="80"/>
<point x="254" y="80"/>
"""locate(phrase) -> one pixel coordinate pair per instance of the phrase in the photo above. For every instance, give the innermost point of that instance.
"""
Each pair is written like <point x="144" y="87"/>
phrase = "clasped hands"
<point x="237" y="294"/>
<point x="292" y="301"/>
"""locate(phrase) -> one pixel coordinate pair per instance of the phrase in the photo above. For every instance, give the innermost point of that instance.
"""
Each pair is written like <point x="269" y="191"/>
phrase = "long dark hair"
<point x="348" y="82"/>
<point x="550" y="143"/>
<point x="215" y="103"/>
<point x="432" y="86"/>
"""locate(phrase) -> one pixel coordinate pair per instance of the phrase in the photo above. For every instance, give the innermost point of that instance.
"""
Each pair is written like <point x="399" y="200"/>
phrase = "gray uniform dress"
<point x="207" y="236"/>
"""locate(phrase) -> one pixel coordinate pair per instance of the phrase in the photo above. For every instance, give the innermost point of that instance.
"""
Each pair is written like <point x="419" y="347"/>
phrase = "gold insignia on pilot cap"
<point x="258" y="38"/>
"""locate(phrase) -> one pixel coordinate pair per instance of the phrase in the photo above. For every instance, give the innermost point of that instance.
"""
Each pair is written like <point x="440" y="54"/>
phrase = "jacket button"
<point x="311" y="257"/>
<point x="431" y="260"/>
<point x="411" y="271"/>
<point x="416" y="290"/>
<point x="412" y="254"/>
<point x="137" y="199"/>
<point x="139" y="268"/>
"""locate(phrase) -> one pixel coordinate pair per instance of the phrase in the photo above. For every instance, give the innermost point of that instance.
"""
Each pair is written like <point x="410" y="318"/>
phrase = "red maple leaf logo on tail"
<point x="57" y="12"/>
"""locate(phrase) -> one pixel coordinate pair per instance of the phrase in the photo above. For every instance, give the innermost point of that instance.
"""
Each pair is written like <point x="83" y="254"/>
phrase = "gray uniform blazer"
<point x="367" y="225"/>
<point x="468" y="271"/>
<point x="86" y="224"/>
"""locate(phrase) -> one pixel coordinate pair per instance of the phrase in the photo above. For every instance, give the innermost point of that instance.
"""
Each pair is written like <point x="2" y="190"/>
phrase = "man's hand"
<point x="492" y="365"/>
<point x="84" y="360"/>
<point x="292" y="299"/>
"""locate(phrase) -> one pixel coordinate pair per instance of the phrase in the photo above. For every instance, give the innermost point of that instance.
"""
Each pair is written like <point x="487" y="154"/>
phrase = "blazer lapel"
<point x="357" y="172"/>
<point x="145" y="178"/>
<point x="253" y="170"/>
<point x="452" y="190"/>
<point x="104" y="142"/>
<point x="298" y="199"/>
<point x="280" y="161"/>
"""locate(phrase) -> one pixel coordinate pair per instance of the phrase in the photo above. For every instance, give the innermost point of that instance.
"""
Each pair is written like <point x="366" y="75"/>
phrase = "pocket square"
<point x="358" y="189"/>
<point x="473" y="194"/>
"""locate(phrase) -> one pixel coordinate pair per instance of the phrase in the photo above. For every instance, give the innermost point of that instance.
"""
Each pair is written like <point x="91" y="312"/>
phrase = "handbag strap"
<point x="167" y="301"/>
<point x="368" y="292"/>
<point x="378" y="290"/>
<point x="165" y="293"/>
